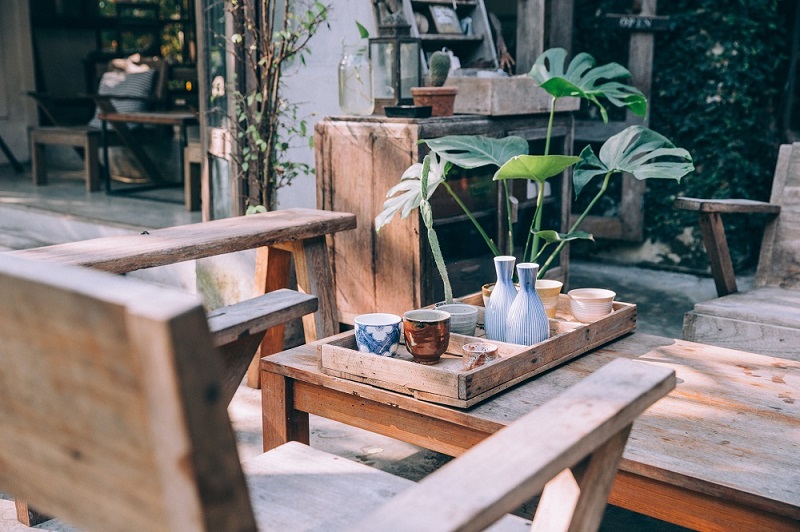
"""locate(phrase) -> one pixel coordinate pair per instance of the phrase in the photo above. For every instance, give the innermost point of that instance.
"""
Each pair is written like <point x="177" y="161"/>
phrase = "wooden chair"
<point x="112" y="418"/>
<point x="765" y="319"/>
<point x="85" y="138"/>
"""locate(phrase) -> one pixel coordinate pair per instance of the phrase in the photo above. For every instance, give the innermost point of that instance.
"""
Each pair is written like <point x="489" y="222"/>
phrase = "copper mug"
<point x="427" y="334"/>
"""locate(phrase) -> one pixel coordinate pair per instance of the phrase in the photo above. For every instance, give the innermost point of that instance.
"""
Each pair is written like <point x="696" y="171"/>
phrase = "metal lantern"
<point x="395" y="60"/>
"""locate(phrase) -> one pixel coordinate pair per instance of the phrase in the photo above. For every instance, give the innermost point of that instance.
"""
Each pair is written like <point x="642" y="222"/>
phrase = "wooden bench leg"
<point x="92" y="162"/>
<point x="314" y="276"/>
<point x="39" y="167"/>
<point x="272" y="273"/>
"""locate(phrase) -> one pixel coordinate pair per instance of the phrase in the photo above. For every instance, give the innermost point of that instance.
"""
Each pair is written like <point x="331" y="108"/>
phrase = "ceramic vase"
<point x="526" y="322"/>
<point x="501" y="299"/>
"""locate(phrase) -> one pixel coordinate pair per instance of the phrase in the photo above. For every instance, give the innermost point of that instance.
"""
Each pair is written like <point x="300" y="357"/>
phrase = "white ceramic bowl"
<point x="590" y="304"/>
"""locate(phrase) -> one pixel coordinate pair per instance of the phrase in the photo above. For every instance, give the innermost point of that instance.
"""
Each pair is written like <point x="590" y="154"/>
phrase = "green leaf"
<point x="637" y="150"/>
<point x="255" y="209"/>
<point x="362" y="31"/>
<point x="583" y="80"/>
<point x="535" y="167"/>
<point x="552" y="237"/>
<point x="472" y="151"/>
<point x="406" y="196"/>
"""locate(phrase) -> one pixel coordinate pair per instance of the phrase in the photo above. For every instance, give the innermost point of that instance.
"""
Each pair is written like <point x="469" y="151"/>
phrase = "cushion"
<point x="136" y="84"/>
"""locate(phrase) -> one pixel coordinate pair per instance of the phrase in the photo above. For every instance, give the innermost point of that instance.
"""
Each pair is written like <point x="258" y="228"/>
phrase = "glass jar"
<point x="355" y="81"/>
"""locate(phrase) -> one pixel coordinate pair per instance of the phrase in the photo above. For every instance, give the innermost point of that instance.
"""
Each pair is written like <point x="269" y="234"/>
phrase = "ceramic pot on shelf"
<point x="501" y="299"/>
<point x="527" y="323"/>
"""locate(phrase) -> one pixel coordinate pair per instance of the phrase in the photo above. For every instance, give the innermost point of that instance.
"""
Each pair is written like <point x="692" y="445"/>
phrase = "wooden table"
<point x="722" y="451"/>
<point x="120" y="121"/>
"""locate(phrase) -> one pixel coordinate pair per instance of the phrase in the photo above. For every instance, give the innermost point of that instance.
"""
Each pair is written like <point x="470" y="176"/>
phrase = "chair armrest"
<point x="507" y="469"/>
<point x="726" y="206"/>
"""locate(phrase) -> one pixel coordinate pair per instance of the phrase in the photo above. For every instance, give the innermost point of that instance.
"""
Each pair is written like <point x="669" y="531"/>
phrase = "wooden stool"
<point x="80" y="137"/>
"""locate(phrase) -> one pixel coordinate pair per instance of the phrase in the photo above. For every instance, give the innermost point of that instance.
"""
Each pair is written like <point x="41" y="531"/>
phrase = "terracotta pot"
<point x="441" y="99"/>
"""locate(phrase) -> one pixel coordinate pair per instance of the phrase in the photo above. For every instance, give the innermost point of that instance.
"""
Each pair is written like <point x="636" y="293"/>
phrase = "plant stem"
<point x="536" y="223"/>
<point x="577" y="223"/>
<point x="492" y="246"/>
<point x="510" y="243"/>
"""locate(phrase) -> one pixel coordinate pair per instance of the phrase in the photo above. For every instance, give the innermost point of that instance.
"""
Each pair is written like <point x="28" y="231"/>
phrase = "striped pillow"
<point x="139" y="84"/>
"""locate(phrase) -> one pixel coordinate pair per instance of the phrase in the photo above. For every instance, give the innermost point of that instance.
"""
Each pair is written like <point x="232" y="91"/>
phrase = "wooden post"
<point x="530" y="33"/>
<point x="272" y="273"/>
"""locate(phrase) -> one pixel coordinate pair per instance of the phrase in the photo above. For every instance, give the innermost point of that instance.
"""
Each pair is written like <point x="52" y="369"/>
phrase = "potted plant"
<point x="440" y="98"/>
<point x="637" y="150"/>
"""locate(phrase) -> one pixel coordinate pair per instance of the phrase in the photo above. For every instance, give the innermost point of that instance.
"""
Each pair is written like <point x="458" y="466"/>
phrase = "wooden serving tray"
<point x="448" y="383"/>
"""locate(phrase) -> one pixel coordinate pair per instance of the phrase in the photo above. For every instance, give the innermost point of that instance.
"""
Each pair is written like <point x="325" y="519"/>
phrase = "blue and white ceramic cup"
<point x="378" y="333"/>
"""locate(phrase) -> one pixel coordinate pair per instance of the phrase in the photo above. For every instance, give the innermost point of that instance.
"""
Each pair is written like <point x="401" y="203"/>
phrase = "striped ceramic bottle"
<point x="527" y="323"/>
<point x="500" y="301"/>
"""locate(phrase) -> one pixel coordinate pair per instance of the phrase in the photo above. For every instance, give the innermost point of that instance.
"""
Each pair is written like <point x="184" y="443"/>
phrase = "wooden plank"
<point x="516" y="463"/>
<point x="531" y="23"/>
<point x="314" y="276"/>
<point x="505" y="96"/>
<point x="125" y="253"/>
<point x="726" y="206"/>
<point x="733" y="333"/>
<point x="251" y="316"/>
<point x="690" y="509"/>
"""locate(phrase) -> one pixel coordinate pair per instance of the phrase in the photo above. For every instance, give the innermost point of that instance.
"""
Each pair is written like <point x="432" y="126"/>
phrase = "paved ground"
<point x="662" y="299"/>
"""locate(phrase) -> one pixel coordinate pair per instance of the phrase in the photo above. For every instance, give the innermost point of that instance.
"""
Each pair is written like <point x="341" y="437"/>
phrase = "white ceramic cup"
<point x="463" y="317"/>
<point x="590" y="304"/>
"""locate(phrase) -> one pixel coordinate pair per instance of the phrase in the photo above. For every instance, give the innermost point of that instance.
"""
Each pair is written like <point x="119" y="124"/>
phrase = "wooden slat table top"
<point x="730" y="429"/>
<point x="175" y="118"/>
<point x="157" y="247"/>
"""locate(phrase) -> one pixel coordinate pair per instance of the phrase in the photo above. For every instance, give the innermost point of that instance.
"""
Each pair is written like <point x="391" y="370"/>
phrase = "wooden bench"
<point x="142" y="439"/>
<point x="765" y="319"/>
<point x="78" y="137"/>
<point x="278" y="236"/>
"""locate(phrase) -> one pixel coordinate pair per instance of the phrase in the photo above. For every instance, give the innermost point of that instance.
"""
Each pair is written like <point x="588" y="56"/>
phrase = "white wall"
<point x="315" y="87"/>
<point x="17" y="111"/>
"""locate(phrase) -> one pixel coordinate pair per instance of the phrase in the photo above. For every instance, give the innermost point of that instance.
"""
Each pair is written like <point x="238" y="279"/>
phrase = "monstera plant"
<point x="636" y="150"/>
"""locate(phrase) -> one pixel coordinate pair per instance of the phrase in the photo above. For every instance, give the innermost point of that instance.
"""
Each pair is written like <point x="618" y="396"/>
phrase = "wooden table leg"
<point x="272" y="273"/>
<point x="281" y="422"/>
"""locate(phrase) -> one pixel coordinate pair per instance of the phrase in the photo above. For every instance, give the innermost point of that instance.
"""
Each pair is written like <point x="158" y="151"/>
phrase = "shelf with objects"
<point x="460" y="26"/>
<point x="358" y="159"/>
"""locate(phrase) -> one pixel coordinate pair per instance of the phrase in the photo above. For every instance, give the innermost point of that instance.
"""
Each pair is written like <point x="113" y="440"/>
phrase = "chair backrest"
<point x="779" y="262"/>
<point x="111" y="415"/>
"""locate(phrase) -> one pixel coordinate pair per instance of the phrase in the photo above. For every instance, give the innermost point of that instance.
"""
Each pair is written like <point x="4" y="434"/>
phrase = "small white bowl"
<point x="590" y="304"/>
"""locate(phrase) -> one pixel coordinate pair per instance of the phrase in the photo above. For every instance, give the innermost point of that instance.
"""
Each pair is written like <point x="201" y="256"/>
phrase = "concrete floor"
<point x="662" y="299"/>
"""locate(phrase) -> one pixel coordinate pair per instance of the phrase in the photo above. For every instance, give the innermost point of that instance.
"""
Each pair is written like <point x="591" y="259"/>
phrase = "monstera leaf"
<point x="469" y="151"/>
<point x="583" y="80"/>
<point x="638" y="151"/>
<point x="535" y="167"/>
<point x="406" y="196"/>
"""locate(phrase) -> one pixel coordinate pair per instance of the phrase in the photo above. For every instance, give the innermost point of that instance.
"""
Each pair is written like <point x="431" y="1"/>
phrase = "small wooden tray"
<point x="447" y="383"/>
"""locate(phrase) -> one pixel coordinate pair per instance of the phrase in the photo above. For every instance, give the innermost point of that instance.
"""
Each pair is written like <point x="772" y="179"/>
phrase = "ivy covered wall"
<point x="718" y="80"/>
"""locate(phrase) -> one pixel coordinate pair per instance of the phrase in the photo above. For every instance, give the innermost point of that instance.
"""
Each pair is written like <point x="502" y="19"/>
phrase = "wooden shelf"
<point x="459" y="3"/>
<point x="450" y="37"/>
